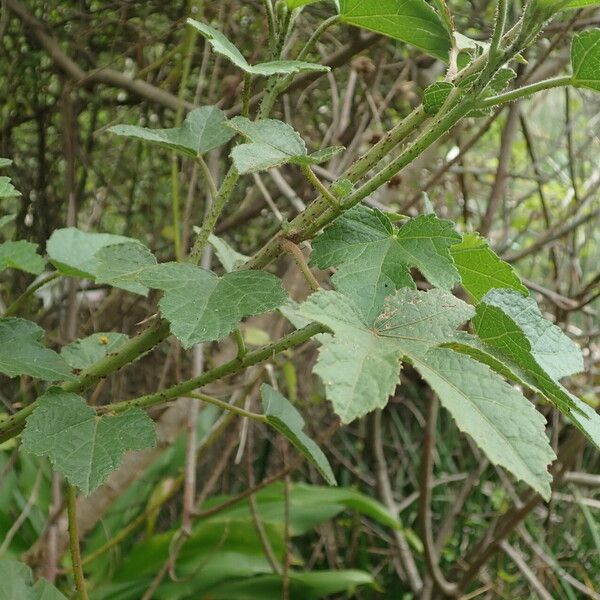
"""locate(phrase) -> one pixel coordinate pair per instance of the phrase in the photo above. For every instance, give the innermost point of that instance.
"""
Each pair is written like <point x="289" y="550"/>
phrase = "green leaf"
<point x="5" y="162"/>
<point x="83" y="447"/>
<point x="481" y="270"/>
<point x="222" y="45"/>
<point x="292" y="4"/>
<point x="373" y="257"/>
<point x="585" y="59"/>
<point x="580" y="4"/>
<point x="532" y="351"/>
<point x="21" y="352"/>
<point x="528" y="374"/>
<point x="73" y="252"/>
<point x="120" y="265"/>
<point x="272" y="143"/>
<point x="16" y="583"/>
<point x="360" y="363"/>
<point x="284" y="417"/>
<point x="203" y="130"/>
<point x="83" y="353"/>
<point x="360" y="368"/>
<point x="7" y="189"/>
<point x="230" y="259"/>
<point x="6" y="219"/>
<point x="202" y="307"/>
<point x="21" y="255"/>
<point x="503" y="423"/>
<point x="435" y="95"/>
<point x="557" y="354"/>
<point x="312" y="585"/>
<point x="411" y="21"/>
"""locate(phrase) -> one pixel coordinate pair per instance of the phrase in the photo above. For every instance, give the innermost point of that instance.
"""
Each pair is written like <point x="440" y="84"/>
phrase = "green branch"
<point x="526" y="90"/>
<point x="236" y="365"/>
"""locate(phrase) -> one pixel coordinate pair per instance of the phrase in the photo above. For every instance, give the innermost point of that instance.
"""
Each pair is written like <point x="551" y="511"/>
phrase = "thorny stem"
<point x="296" y="338"/>
<point x="295" y="252"/>
<point x="74" y="543"/>
<point x="228" y="407"/>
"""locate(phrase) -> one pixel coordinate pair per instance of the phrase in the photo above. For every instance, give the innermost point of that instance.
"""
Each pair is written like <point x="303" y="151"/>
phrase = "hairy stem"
<point x="74" y="543"/>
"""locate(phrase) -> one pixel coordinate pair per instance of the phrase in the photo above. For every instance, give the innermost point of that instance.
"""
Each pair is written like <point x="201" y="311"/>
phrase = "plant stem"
<point x="216" y="209"/>
<point x="74" y="543"/>
<point x="295" y="252"/>
<point x="16" y="305"/>
<point x="241" y="345"/>
<point x="280" y="86"/>
<point x="208" y="178"/>
<point x="247" y="95"/>
<point x="526" y="90"/>
<point x="228" y="407"/>
<point x="129" y="352"/>
<point x="296" y="338"/>
<point x="318" y="186"/>
<point x="494" y="52"/>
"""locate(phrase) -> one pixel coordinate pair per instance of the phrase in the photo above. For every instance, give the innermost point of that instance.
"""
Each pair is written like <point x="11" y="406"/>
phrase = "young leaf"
<point x="410" y="21"/>
<point x="120" y="265"/>
<point x="222" y="45"/>
<point x="272" y="143"/>
<point x="481" y="270"/>
<point x="83" y="447"/>
<point x="73" y="252"/>
<point x="230" y="259"/>
<point x="284" y="417"/>
<point x="21" y="255"/>
<point x="203" y="130"/>
<point x="585" y="59"/>
<point x="7" y="189"/>
<point x="83" y="353"/>
<point x="16" y="583"/>
<point x="21" y="352"/>
<point x="373" y="257"/>
<point x="360" y="368"/>
<point x="202" y="307"/>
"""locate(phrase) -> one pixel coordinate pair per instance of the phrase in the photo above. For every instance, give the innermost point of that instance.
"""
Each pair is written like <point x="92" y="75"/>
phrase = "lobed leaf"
<point x="410" y="21"/>
<point x="120" y="265"/>
<point x="82" y="354"/>
<point x="230" y="258"/>
<point x="21" y="352"/>
<point x="272" y="143"/>
<point x="82" y="446"/>
<point x="503" y="423"/>
<point x="222" y="45"/>
<point x="585" y="59"/>
<point x="373" y="258"/>
<point x="202" y="307"/>
<point x="21" y="255"/>
<point x="203" y="130"/>
<point x="284" y="417"/>
<point x="7" y="189"/>
<point x="16" y="583"/>
<point x="481" y="269"/>
<point x="73" y="252"/>
<point x="360" y="366"/>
